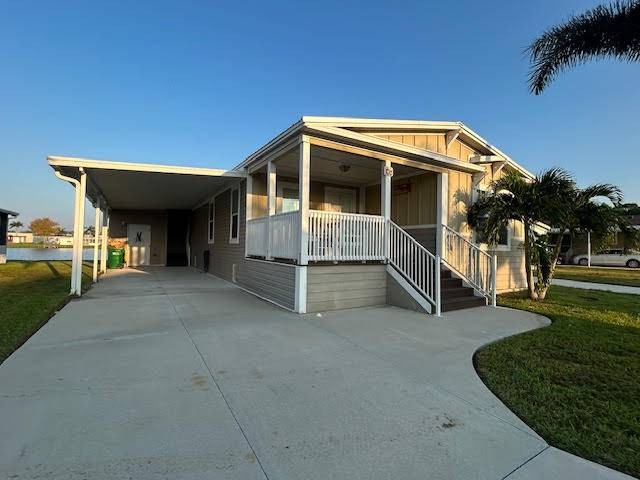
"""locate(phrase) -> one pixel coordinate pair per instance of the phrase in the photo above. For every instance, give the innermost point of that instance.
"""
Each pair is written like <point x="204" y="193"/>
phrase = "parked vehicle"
<point x="611" y="258"/>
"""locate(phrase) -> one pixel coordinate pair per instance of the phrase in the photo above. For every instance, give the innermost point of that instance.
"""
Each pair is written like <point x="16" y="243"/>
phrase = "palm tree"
<point x="552" y="198"/>
<point x="16" y="225"/>
<point x="606" y="31"/>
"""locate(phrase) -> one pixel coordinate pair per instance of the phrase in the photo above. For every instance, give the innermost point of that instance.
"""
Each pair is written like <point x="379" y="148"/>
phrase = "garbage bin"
<point x="115" y="258"/>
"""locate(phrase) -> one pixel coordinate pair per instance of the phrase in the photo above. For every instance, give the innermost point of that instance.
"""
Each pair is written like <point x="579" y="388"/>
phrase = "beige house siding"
<point x="275" y="282"/>
<point x="434" y="142"/>
<point x="316" y="194"/>
<point x="119" y="219"/>
<point x="334" y="287"/>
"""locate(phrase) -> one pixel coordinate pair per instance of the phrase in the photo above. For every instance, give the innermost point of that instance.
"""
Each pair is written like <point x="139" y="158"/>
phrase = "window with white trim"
<point x="502" y="242"/>
<point x="234" y="226"/>
<point x="211" y="221"/>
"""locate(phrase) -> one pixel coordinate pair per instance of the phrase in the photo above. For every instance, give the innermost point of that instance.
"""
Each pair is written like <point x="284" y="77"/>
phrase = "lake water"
<point x="46" y="253"/>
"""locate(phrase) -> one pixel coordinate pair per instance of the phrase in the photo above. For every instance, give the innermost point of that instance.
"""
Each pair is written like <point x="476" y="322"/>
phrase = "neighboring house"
<point x="4" y="226"/>
<point x="332" y="213"/>
<point x="19" y="237"/>
<point x="57" y="240"/>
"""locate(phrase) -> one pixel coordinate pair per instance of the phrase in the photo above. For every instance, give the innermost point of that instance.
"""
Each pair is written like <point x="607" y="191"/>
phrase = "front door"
<point x="340" y="200"/>
<point x="139" y="236"/>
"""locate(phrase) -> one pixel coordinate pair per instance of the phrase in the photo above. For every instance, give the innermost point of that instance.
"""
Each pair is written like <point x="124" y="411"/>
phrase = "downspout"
<point x="76" y="184"/>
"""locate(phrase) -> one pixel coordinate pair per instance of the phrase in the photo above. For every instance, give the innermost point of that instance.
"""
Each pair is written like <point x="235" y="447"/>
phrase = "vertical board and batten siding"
<point x="273" y="281"/>
<point x="333" y="287"/>
<point x="511" y="273"/>
<point x="433" y="142"/>
<point x="316" y="194"/>
<point x="119" y="219"/>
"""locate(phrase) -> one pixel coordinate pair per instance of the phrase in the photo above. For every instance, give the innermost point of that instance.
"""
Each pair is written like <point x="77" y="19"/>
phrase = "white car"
<point x="611" y="258"/>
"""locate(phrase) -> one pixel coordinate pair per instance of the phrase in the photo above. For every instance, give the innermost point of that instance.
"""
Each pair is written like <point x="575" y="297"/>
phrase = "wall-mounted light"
<point x="344" y="168"/>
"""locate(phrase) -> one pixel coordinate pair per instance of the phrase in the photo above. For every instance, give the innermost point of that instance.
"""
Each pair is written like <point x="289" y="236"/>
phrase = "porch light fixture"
<point x="344" y="168"/>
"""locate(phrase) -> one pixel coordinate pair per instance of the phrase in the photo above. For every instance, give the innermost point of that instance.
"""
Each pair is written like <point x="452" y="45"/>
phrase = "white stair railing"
<point x="340" y="237"/>
<point x="418" y="265"/>
<point x="474" y="265"/>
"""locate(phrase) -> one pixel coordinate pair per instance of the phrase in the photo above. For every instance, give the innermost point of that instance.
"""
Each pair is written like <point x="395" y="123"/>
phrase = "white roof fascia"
<point x="293" y="129"/>
<point x="401" y="124"/>
<point x="441" y="160"/>
<point x="57" y="161"/>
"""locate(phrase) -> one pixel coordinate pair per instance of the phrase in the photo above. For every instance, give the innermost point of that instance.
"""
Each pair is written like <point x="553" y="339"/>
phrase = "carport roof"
<point x="144" y="186"/>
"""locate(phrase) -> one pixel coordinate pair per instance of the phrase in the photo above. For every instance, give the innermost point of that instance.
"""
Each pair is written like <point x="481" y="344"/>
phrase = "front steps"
<point x="455" y="296"/>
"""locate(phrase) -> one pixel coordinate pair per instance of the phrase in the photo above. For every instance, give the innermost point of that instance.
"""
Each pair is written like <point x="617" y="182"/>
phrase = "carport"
<point x="130" y="194"/>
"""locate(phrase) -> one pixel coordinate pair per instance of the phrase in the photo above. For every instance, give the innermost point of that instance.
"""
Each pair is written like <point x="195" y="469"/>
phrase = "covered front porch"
<point x="313" y="203"/>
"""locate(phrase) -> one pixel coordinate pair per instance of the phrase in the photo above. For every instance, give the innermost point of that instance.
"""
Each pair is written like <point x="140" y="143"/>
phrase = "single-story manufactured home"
<point x="19" y="237"/>
<point x="332" y="213"/>
<point x="4" y="227"/>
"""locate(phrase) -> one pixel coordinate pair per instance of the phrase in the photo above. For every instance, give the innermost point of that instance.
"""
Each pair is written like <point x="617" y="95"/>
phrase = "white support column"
<point x="79" y="233"/>
<point x="249" y="208"/>
<point x="76" y="222"/>
<point x="443" y="210"/>
<point x="271" y="202"/>
<point x="96" y="239"/>
<point x="385" y="201"/>
<point x="301" y="289"/>
<point x="304" y="168"/>
<point x="105" y="239"/>
<point x="588" y="247"/>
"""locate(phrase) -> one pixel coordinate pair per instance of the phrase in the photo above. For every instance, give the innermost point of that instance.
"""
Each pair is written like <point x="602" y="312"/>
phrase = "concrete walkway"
<point x="561" y="282"/>
<point x="169" y="373"/>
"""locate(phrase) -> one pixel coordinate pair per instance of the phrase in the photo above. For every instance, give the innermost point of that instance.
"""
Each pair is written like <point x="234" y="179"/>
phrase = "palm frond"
<point x="606" y="31"/>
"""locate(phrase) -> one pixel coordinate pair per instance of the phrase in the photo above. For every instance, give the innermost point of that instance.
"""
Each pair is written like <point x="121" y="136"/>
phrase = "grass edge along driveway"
<point x="574" y="382"/>
<point x="30" y="293"/>
<point x="614" y="276"/>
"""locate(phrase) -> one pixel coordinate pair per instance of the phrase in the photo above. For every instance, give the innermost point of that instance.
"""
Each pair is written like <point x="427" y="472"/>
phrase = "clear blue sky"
<point x="205" y="83"/>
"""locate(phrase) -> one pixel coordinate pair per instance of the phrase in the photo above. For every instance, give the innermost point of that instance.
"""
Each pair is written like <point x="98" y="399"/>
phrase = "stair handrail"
<point x="473" y="275"/>
<point x="415" y="263"/>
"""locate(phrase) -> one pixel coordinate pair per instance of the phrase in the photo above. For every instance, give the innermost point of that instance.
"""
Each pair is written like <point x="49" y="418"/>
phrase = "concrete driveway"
<point x="170" y="373"/>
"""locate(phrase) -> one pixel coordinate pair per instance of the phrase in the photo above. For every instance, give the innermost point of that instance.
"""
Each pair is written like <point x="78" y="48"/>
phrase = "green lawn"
<point x="30" y="292"/>
<point x="576" y="382"/>
<point x="616" y="276"/>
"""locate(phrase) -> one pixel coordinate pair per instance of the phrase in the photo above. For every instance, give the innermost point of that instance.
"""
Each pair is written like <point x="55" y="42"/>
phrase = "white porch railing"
<point x="256" y="237"/>
<point x="418" y="265"/>
<point x="285" y="231"/>
<point x="476" y="266"/>
<point x="335" y="236"/>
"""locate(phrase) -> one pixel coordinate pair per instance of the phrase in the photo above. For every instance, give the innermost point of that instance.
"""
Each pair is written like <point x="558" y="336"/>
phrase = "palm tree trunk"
<point x="527" y="261"/>
<point x="544" y="284"/>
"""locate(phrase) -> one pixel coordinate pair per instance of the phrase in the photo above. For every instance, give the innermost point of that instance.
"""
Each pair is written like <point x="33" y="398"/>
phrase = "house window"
<point x="234" y="230"/>
<point x="211" y="221"/>
<point x="503" y="235"/>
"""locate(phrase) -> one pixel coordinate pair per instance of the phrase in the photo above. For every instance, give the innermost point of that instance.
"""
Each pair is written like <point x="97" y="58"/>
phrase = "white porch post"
<point x="304" y="168"/>
<point x="248" y="210"/>
<point x="271" y="202"/>
<point x="105" y="239"/>
<point x="78" y="234"/>
<point x="385" y="201"/>
<point x="588" y="247"/>
<point x="443" y="210"/>
<point x="96" y="239"/>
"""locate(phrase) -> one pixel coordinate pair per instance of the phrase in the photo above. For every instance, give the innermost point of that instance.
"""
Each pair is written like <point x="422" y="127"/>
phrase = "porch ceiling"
<point x="133" y="186"/>
<point x="325" y="167"/>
